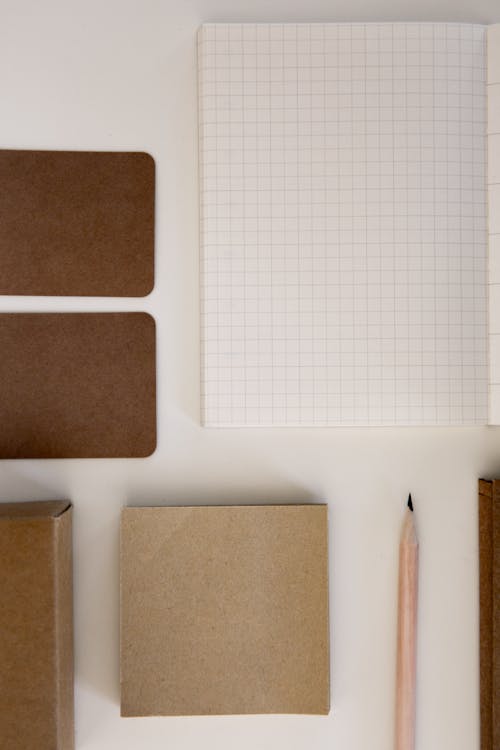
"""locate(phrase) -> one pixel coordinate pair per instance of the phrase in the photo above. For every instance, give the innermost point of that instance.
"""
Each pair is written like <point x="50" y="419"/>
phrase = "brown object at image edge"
<point x="406" y="634"/>
<point x="64" y="630"/>
<point x="489" y="612"/>
<point x="36" y="649"/>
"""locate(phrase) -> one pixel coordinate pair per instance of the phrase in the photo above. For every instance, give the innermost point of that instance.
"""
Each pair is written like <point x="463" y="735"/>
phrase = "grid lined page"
<point x="343" y="224"/>
<point x="493" y="90"/>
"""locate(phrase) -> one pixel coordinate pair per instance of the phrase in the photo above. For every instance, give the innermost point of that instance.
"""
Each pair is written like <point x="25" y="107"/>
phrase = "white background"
<point x="121" y="74"/>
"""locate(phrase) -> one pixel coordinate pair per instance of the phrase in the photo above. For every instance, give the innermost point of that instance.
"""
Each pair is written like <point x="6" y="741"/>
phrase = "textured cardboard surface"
<point x="489" y="606"/>
<point x="77" y="385"/>
<point x="36" y="627"/>
<point x="224" y="610"/>
<point x="76" y="223"/>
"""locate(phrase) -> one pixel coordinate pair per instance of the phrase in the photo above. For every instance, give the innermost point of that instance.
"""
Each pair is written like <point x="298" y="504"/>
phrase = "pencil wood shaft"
<point x="407" y="636"/>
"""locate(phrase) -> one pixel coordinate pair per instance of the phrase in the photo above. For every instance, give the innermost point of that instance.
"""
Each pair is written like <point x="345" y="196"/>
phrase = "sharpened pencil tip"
<point x="410" y="504"/>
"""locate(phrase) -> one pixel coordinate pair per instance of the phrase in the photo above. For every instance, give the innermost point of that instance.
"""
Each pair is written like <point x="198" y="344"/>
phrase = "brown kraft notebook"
<point x="224" y="610"/>
<point x="76" y="223"/>
<point x="489" y="612"/>
<point x="36" y="626"/>
<point x="77" y="385"/>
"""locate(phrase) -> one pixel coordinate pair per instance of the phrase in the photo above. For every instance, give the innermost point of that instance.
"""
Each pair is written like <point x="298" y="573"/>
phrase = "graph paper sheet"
<point x="343" y="224"/>
<point x="494" y="219"/>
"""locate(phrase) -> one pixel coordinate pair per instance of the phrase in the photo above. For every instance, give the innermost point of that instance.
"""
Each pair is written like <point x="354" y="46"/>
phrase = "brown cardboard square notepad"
<point x="224" y="610"/>
<point x="36" y="626"/>
<point x="77" y="385"/>
<point x="76" y="223"/>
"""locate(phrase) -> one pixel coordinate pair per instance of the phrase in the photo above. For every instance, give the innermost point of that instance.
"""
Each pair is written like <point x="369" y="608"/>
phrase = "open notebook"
<point x="344" y="224"/>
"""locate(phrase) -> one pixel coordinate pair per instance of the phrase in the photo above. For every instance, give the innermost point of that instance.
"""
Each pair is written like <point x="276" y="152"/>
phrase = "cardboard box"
<point x="224" y="610"/>
<point x="36" y="626"/>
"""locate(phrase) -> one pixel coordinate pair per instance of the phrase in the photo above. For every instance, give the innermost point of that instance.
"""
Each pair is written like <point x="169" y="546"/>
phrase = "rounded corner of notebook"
<point x="150" y="449"/>
<point x="148" y="289"/>
<point x="147" y="158"/>
<point x="148" y="318"/>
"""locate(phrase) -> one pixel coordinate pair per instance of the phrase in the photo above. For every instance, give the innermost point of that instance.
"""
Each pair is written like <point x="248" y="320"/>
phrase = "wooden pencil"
<point x="407" y="634"/>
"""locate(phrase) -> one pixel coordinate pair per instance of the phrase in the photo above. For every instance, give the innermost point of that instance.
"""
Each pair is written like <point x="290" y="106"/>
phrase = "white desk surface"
<point x="121" y="74"/>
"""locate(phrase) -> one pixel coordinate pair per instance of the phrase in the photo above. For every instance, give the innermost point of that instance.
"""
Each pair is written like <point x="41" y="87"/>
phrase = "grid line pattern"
<point x="343" y="224"/>
<point x="493" y="130"/>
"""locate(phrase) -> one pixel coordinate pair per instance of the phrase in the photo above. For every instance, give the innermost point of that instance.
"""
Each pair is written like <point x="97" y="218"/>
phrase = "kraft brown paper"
<point x="76" y="223"/>
<point x="224" y="610"/>
<point x="36" y="626"/>
<point x="77" y="385"/>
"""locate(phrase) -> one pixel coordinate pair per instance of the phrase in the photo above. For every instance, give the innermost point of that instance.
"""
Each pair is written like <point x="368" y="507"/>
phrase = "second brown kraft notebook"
<point x="77" y="385"/>
<point x="76" y="223"/>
